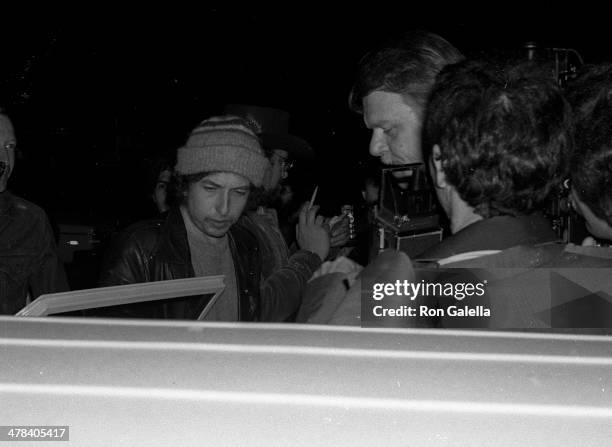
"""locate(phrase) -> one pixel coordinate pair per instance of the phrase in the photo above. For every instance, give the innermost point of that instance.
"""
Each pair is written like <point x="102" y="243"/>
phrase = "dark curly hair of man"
<point x="504" y="138"/>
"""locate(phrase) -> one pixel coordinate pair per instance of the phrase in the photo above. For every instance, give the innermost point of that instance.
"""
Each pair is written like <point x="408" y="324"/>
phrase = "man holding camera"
<point x="391" y="91"/>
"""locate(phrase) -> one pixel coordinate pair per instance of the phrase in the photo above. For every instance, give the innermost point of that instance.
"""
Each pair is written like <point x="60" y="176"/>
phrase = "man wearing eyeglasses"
<point x="280" y="165"/>
<point x="29" y="265"/>
<point x="281" y="147"/>
<point x="279" y="264"/>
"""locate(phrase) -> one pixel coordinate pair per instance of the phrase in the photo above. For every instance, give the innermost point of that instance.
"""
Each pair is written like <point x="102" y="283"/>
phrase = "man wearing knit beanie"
<point x="216" y="169"/>
<point x="220" y="162"/>
<point x="223" y="144"/>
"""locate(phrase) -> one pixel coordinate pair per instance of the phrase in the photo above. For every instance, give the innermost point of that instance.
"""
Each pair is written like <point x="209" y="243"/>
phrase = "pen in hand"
<point x="314" y="196"/>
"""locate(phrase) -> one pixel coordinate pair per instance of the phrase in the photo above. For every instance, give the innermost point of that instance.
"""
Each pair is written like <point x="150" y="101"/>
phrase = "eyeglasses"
<point x="285" y="162"/>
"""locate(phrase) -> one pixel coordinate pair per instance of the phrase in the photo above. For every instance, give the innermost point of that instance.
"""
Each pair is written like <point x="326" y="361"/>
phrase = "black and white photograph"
<point x="248" y="225"/>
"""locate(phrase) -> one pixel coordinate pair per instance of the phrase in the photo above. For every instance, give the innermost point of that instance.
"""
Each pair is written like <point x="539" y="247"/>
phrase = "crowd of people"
<point x="497" y="142"/>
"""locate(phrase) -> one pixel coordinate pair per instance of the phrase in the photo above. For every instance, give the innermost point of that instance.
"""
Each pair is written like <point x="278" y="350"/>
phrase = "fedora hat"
<point x="273" y="129"/>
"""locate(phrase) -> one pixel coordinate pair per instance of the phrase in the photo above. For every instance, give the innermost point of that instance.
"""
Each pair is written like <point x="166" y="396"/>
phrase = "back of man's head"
<point x="591" y="98"/>
<point x="407" y="65"/>
<point x="503" y="140"/>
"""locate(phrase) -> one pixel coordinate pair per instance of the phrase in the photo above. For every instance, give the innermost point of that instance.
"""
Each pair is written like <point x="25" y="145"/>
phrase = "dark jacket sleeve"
<point x="48" y="274"/>
<point x="281" y="292"/>
<point x="126" y="261"/>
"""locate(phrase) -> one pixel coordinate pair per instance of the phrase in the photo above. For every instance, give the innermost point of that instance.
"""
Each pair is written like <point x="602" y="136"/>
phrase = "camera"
<point x="569" y="226"/>
<point x="407" y="213"/>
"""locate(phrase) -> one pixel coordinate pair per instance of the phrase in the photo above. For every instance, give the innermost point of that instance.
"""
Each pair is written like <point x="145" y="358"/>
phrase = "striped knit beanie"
<point x="223" y="144"/>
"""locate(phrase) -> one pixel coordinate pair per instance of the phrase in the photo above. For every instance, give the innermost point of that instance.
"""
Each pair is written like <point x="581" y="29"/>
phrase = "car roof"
<point x="157" y="382"/>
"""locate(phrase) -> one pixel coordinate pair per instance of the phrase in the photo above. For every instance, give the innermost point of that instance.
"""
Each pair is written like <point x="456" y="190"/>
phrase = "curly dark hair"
<point x="407" y="65"/>
<point x="504" y="140"/>
<point x="591" y="97"/>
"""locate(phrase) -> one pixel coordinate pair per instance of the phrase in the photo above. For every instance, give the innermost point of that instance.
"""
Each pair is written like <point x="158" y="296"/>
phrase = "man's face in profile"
<point x="396" y="128"/>
<point x="7" y="150"/>
<point x="277" y="171"/>
<point x="160" y="193"/>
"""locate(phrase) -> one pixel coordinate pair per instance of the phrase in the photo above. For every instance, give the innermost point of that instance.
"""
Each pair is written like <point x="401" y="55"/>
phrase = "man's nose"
<point x="223" y="204"/>
<point x="378" y="145"/>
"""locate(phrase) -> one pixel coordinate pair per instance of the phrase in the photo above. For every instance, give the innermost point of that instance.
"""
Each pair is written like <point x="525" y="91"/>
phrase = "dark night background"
<point x="91" y="100"/>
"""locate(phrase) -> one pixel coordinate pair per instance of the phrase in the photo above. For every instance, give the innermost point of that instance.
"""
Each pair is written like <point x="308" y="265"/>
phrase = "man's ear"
<point x="438" y="174"/>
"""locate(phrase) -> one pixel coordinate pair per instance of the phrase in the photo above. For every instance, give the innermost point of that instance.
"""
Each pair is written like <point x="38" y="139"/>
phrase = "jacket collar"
<point x="495" y="233"/>
<point x="173" y="245"/>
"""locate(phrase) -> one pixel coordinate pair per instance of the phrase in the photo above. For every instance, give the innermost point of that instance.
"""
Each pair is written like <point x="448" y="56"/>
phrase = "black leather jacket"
<point x="28" y="258"/>
<point x="157" y="250"/>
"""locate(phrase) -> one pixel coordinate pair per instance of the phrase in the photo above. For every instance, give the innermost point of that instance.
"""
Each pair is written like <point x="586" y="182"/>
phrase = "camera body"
<point x="567" y="223"/>
<point x="407" y="213"/>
